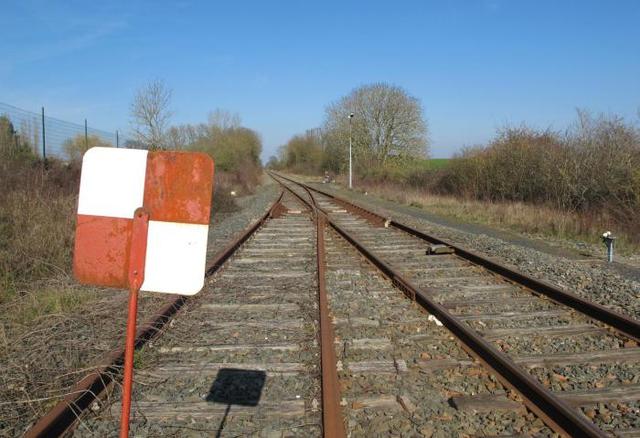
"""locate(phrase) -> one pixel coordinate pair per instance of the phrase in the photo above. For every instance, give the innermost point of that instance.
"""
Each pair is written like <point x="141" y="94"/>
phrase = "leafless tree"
<point x="387" y="122"/>
<point x="150" y="114"/>
<point x="75" y="147"/>
<point x="223" y="119"/>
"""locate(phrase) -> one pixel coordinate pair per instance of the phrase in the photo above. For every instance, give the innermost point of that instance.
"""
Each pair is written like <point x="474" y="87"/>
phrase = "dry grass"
<point x="36" y="236"/>
<point x="37" y="221"/>
<point x="50" y="337"/>
<point x="51" y="328"/>
<point x="516" y="216"/>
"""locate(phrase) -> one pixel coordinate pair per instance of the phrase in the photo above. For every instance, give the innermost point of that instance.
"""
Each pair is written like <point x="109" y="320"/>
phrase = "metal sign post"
<point x="608" y="238"/>
<point x="137" y="258"/>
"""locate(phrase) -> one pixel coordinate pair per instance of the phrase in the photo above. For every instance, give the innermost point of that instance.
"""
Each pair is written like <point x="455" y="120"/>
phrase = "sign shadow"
<point x="236" y="387"/>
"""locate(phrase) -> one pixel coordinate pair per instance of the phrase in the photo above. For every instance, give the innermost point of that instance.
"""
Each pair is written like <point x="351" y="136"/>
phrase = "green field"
<point x="438" y="163"/>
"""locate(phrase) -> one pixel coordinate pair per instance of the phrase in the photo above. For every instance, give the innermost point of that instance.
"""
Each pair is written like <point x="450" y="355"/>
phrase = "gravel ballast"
<point x="590" y="279"/>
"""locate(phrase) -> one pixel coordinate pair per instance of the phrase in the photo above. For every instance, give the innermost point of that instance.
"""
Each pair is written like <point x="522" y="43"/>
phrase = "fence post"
<point x="86" y="138"/>
<point x="44" y="139"/>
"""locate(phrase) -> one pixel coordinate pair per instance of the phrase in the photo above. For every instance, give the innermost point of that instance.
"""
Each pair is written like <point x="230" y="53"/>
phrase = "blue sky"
<point x="475" y="65"/>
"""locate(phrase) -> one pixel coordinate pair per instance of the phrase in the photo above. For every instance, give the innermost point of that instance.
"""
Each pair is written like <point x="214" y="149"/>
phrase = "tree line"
<point x="592" y="167"/>
<point x="386" y="126"/>
<point x="235" y="148"/>
<point x="12" y="144"/>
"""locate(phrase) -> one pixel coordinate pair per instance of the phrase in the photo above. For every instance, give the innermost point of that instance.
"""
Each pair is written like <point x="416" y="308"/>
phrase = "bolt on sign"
<point x="175" y="190"/>
<point x="142" y="224"/>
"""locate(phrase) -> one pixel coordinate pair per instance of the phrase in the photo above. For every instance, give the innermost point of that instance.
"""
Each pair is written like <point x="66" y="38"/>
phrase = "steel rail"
<point x="332" y="419"/>
<point x="552" y="410"/>
<point x="626" y="325"/>
<point x="63" y="416"/>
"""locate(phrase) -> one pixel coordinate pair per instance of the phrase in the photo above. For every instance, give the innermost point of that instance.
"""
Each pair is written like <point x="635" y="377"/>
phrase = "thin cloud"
<point x="67" y="45"/>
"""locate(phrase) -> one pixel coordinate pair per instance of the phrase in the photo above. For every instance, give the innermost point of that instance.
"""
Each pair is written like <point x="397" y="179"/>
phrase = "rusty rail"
<point x="622" y="323"/>
<point x="556" y="413"/>
<point x="552" y="410"/>
<point x="63" y="416"/>
<point x="332" y="420"/>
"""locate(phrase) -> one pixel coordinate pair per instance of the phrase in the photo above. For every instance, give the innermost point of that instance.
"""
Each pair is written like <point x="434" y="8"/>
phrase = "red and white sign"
<point x="174" y="188"/>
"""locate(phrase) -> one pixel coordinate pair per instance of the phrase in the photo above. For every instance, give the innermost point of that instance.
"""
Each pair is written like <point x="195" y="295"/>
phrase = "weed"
<point x="140" y="360"/>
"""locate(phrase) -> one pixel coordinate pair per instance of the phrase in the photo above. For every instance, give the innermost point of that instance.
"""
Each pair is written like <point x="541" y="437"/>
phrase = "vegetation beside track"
<point x="37" y="217"/>
<point x="52" y="328"/>
<point x="574" y="184"/>
<point x="520" y="217"/>
<point x="38" y="202"/>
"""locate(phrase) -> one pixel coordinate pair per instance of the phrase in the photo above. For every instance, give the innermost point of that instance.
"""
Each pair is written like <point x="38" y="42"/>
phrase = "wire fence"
<point x="29" y="133"/>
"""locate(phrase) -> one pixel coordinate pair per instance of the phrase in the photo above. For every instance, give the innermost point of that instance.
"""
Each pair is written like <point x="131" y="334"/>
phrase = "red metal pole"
<point x="128" y="362"/>
<point x="137" y="257"/>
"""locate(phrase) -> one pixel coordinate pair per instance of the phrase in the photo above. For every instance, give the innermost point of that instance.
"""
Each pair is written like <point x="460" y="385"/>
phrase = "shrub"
<point x="37" y="217"/>
<point x="236" y="151"/>
<point x="223" y="201"/>
<point x="593" y="168"/>
<point x="75" y="147"/>
<point x="12" y="145"/>
<point x="411" y="172"/>
<point x="303" y="154"/>
<point x="519" y="165"/>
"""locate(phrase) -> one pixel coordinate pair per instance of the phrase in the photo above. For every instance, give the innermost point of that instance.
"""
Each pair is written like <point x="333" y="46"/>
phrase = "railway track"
<point x="380" y="336"/>
<point x="327" y="319"/>
<point x="243" y="356"/>
<point x="572" y="362"/>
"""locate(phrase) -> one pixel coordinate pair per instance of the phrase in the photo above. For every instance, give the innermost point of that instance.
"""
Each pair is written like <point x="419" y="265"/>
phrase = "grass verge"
<point x="514" y="216"/>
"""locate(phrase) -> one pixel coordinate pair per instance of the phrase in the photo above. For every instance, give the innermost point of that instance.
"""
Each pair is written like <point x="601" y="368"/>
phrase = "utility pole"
<point x="350" y="159"/>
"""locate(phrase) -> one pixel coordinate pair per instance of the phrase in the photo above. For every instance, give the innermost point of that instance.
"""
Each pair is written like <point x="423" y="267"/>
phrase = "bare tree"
<point x="75" y="147"/>
<point x="387" y="122"/>
<point x="176" y="138"/>
<point x="150" y="114"/>
<point x="223" y="119"/>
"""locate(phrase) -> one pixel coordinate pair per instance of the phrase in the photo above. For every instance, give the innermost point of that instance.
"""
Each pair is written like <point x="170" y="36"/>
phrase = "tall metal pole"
<point x="350" y="160"/>
<point x="44" y="141"/>
<point x="117" y="139"/>
<point x="137" y="259"/>
<point x="86" y="137"/>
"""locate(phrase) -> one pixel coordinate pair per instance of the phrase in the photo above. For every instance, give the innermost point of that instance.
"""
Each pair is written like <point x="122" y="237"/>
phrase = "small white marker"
<point x="434" y="319"/>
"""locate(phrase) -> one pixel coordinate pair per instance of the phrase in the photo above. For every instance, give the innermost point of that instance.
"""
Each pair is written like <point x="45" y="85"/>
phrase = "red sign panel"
<point x="173" y="187"/>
